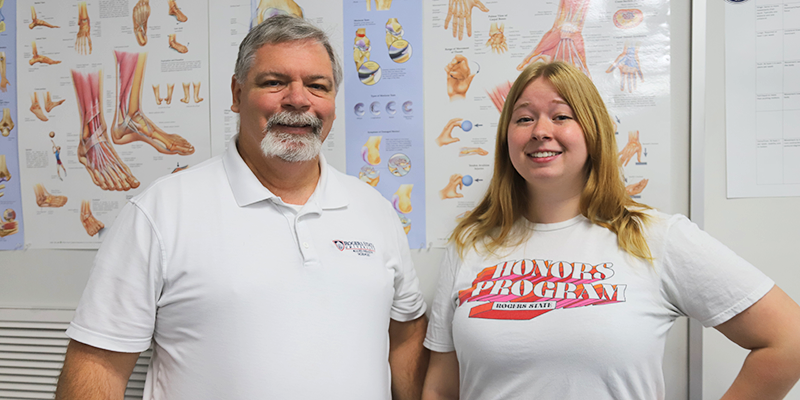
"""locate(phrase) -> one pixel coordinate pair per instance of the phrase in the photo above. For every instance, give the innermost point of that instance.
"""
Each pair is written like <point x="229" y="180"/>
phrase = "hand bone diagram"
<point x="460" y="13"/>
<point x="629" y="67"/>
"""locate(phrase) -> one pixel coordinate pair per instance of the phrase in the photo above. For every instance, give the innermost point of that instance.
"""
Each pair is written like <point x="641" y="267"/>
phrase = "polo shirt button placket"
<point x="304" y="238"/>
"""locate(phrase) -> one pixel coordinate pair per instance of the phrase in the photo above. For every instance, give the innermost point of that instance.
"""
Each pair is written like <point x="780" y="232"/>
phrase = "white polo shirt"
<point x="245" y="297"/>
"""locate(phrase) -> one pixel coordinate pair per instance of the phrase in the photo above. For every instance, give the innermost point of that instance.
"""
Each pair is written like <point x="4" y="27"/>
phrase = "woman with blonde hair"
<point x="559" y="286"/>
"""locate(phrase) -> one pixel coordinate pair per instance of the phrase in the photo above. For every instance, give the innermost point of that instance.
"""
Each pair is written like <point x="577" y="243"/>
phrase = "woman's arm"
<point x="770" y="329"/>
<point x="441" y="382"/>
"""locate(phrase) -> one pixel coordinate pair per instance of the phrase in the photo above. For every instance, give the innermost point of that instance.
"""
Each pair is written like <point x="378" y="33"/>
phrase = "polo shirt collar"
<point x="247" y="189"/>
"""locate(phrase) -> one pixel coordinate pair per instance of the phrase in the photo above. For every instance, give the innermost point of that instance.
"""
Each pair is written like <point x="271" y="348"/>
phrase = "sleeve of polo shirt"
<point x="118" y="308"/>
<point x="408" y="303"/>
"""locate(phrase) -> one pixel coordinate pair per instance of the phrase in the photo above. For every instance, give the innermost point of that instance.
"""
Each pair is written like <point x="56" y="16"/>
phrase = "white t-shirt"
<point x="568" y="315"/>
<point x="244" y="297"/>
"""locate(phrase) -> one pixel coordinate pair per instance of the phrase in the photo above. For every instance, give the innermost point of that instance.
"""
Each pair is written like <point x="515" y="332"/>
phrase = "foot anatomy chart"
<point x="762" y="81"/>
<point x="474" y="49"/>
<point x="102" y="116"/>
<point x="11" y="226"/>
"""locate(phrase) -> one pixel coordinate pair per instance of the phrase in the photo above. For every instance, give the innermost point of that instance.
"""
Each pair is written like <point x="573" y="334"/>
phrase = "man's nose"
<point x="296" y="97"/>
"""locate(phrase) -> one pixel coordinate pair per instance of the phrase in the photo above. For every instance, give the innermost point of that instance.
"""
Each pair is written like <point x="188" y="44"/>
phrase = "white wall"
<point x="766" y="232"/>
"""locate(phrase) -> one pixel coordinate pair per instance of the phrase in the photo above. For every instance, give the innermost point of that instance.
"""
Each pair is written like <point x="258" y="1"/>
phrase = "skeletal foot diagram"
<point x="83" y="42"/>
<point x="370" y="152"/>
<point x="141" y="13"/>
<point x="95" y="150"/>
<point x="175" y="45"/>
<point x="185" y="98"/>
<point x="130" y="124"/>
<point x="45" y="199"/>
<point x="176" y="12"/>
<point x="49" y="104"/>
<point x="170" y="88"/>
<point x="36" y="109"/>
<point x="90" y="223"/>
<point x="38" y="22"/>
<point x="6" y="124"/>
<point x="156" y="91"/>
<point x="401" y="200"/>
<point x="37" y="58"/>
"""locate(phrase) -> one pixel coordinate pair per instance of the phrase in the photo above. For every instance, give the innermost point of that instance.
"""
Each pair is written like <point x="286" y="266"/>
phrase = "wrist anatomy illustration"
<point x="83" y="43"/>
<point x="564" y="41"/>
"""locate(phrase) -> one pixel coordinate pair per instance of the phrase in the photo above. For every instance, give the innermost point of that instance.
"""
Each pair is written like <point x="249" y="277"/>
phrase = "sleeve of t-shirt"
<point x="118" y="308"/>
<point x="408" y="303"/>
<point x="440" y="326"/>
<point x="705" y="279"/>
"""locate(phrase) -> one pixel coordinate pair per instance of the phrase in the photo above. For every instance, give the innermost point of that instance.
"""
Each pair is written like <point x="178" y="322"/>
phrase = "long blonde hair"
<point x="603" y="200"/>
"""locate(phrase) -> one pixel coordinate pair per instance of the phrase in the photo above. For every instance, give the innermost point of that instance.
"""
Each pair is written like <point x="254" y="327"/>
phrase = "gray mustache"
<point x="295" y="119"/>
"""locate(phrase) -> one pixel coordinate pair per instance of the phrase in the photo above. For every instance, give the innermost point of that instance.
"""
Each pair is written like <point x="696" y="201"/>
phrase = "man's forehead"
<point x="269" y="60"/>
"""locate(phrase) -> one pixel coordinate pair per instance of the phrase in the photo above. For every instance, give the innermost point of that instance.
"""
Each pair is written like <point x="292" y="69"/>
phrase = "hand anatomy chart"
<point x="762" y="83"/>
<point x="104" y="118"/>
<point x="231" y="22"/>
<point x="474" y="49"/>
<point x="11" y="226"/>
<point x="384" y="105"/>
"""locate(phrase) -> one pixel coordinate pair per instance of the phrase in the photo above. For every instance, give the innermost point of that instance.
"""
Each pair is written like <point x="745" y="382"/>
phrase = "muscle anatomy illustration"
<point x="633" y="147"/>
<point x="49" y="104"/>
<point x="459" y="77"/>
<point x="636" y="188"/>
<point x="498" y="94"/>
<point x="130" y="124"/>
<point x="3" y="79"/>
<point x="37" y="58"/>
<point x="176" y="12"/>
<point x="83" y="42"/>
<point x="564" y="41"/>
<point x="141" y="13"/>
<point x="629" y="67"/>
<point x="6" y="124"/>
<point x="36" y="109"/>
<point x="379" y="4"/>
<point x="95" y="150"/>
<point x="39" y="22"/>
<point x="361" y="47"/>
<point x="173" y="44"/>
<point x="497" y="38"/>
<point x="460" y="13"/>
<point x="45" y="199"/>
<point x="267" y="9"/>
<point x="90" y="223"/>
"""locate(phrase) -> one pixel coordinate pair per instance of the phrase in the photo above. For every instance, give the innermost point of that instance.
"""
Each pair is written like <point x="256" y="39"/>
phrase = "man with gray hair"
<point x="262" y="273"/>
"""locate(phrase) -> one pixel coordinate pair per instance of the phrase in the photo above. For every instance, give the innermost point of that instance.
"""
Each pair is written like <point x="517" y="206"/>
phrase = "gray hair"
<point x="282" y="29"/>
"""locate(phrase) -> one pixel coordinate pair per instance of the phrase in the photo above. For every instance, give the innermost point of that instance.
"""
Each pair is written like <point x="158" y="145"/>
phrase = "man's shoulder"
<point x="197" y="180"/>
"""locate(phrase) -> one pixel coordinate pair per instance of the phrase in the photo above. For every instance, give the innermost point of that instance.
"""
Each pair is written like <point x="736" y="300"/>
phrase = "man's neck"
<point x="293" y="182"/>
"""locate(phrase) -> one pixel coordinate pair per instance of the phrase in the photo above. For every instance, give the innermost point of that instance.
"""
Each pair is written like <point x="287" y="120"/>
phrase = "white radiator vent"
<point x="32" y="348"/>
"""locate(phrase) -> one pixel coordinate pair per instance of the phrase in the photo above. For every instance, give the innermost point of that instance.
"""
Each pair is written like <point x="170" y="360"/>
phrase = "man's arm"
<point x="90" y="373"/>
<point x="441" y="383"/>
<point x="770" y="328"/>
<point x="407" y="357"/>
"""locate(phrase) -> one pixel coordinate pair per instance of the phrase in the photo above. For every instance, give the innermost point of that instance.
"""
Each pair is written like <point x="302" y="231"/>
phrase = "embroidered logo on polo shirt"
<point x="356" y="246"/>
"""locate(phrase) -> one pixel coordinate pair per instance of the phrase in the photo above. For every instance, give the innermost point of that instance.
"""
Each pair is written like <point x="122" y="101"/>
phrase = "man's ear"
<point x="236" y="93"/>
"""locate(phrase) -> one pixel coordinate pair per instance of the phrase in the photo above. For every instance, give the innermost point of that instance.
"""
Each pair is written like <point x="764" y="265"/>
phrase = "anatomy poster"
<point x="762" y="86"/>
<point x="11" y="226"/>
<point x="112" y="91"/>
<point x="474" y="50"/>
<point x="231" y="21"/>
<point x="384" y="107"/>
